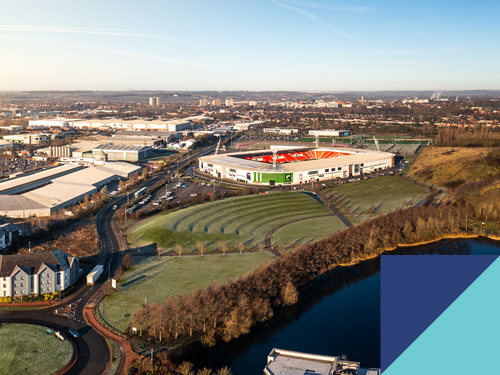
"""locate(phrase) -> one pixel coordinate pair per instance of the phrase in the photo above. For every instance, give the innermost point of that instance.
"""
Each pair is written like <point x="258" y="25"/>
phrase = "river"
<point x="338" y="314"/>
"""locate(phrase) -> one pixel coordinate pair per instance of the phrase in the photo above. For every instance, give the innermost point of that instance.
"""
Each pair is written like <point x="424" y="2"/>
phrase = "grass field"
<point x="368" y="198"/>
<point x="155" y="280"/>
<point x="310" y="230"/>
<point x="451" y="165"/>
<point x="244" y="220"/>
<point x="26" y="346"/>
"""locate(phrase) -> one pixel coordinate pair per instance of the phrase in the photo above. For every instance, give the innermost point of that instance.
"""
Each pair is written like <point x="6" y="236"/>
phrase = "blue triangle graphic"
<point x="416" y="290"/>
<point x="464" y="339"/>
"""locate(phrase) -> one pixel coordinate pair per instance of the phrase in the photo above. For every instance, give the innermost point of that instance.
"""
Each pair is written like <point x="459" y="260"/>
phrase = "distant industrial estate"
<point x="104" y="143"/>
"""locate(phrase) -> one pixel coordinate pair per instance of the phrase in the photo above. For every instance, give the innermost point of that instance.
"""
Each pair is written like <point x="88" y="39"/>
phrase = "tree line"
<point x="477" y="136"/>
<point x="224" y="312"/>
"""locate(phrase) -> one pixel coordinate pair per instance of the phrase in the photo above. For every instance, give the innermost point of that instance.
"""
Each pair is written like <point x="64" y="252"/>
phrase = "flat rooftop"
<point x="288" y="365"/>
<point x="288" y="362"/>
<point x="32" y="178"/>
<point x="121" y="148"/>
<point x="18" y="202"/>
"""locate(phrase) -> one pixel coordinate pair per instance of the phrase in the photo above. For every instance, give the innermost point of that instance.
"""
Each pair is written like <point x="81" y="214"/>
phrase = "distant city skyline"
<point x="302" y="45"/>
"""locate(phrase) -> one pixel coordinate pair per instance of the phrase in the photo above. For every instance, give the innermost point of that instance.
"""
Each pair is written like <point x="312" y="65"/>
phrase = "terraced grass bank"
<point x="240" y="220"/>
<point x="27" y="348"/>
<point x="306" y="231"/>
<point x="362" y="200"/>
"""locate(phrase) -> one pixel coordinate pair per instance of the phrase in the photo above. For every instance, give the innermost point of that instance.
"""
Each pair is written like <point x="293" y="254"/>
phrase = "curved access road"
<point x="93" y="350"/>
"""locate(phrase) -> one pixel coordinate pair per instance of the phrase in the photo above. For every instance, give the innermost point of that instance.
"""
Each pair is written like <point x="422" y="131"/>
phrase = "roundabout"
<point x="33" y="349"/>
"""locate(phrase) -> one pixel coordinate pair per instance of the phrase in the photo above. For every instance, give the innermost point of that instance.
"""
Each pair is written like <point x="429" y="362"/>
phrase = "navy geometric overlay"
<point x="415" y="290"/>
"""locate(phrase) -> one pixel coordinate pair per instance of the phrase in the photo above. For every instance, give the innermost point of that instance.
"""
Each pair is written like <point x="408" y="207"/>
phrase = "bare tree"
<point x="289" y="294"/>
<point x="179" y="249"/>
<point x="186" y="368"/>
<point x="200" y="247"/>
<point x="223" y="248"/>
<point x="240" y="246"/>
<point x="140" y="319"/>
<point x="224" y="371"/>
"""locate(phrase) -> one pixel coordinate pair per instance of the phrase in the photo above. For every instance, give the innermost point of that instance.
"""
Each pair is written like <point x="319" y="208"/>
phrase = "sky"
<point x="302" y="45"/>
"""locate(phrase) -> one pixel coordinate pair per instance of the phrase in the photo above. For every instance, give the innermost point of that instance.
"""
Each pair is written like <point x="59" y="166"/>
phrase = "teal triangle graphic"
<point x="465" y="339"/>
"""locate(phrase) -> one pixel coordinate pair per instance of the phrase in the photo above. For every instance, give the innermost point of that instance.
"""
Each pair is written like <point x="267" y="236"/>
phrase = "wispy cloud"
<point x="80" y="30"/>
<point x="356" y="9"/>
<point x="312" y="17"/>
<point x="110" y="51"/>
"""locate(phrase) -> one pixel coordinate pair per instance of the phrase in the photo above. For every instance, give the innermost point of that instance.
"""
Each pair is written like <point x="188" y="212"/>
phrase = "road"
<point x="93" y="353"/>
<point x="92" y="349"/>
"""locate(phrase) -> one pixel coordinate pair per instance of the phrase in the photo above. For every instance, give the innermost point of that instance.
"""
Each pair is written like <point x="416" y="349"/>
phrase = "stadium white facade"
<point x="295" y="166"/>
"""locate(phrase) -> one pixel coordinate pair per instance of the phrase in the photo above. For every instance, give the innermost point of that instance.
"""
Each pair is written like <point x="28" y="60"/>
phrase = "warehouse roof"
<point x="121" y="148"/>
<point x="120" y="168"/>
<point x="37" y="176"/>
<point x="18" y="203"/>
<point x="85" y="145"/>
<point x="87" y="176"/>
<point x="59" y="192"/>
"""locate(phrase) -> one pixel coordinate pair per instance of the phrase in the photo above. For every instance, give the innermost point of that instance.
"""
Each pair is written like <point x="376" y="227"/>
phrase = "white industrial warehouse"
<point x="43" y="193"/>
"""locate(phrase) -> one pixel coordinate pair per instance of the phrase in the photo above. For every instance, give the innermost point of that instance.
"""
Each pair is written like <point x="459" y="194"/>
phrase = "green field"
<point x="155" y="280"/>
<point x="306" y="231"/>
<point x="368" y="198"/>
<point x="27" y="349"/>
<point x="231" y="221"/>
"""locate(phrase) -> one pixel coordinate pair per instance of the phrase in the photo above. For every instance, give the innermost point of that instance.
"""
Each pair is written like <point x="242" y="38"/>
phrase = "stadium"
<point x="294" y="165"/>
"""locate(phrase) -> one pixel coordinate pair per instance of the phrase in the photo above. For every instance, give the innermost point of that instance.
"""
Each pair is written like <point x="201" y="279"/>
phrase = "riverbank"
<point x="461" y="236"/>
